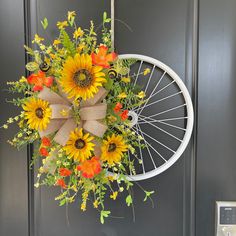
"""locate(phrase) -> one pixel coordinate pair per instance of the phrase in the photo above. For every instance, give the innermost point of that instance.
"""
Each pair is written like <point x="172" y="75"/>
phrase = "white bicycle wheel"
<point x="164" y="121"/>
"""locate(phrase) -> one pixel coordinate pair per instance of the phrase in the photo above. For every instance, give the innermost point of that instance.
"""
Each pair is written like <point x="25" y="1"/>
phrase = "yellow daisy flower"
<point x="80" y="79"/>
<point x="95" y="204"/>
<point x="78" y="33"/>
<point x="79" y="145"/>
<point x="141" y="94"/>
<point x="114" y="195"/>
<point x="122" y="95"/>
<point x="37" y="113"/>
<point x="71" y="15"/>
<point x="37" y="39"/>
<point x="113" y="148"/>
<point x="62" y="24"/>
<point x="125" y="79"/>
<point x="146" y="71"/>
<point x="56" y="42"/>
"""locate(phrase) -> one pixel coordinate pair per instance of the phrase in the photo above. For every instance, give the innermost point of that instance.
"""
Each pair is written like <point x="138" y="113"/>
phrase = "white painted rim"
<point x="190" y="115"/>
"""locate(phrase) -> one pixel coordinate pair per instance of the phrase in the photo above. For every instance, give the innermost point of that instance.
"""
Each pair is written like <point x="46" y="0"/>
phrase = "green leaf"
<point x="67" y="43"/>
<point x="29" y="50"/>
<point x="32" y="66"/>
<point x="129" y="200"/>
<point x="104" y="16"/>
<point x="62" y="202"/>
<point x="44" y="23"/>
<point x="147" y="194"/>
<point x="109" y="84"/>
<point x="104" y="214"/>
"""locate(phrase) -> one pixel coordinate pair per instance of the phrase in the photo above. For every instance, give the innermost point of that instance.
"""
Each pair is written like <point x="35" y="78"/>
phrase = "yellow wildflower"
<point x="37" y="39"/>
<point x="36" y="185"/>
<point x="80" y="47"/>
<point x="141" y="95"/>
<point x="83" y="207"/>
<point x="95" y="204"/>
<point x="122" y="95"/>
<point x="10" y="120"/>
<point x="146" y="71"/>
<point x="121" y="189"/>
<point x="41" y="170"/>
<point x="114" y="195"/>
<point x="62" y="24"/>
<point x="19" y="135"/>
<point x="74" y="188"/>
<point x="56" y="42"/>
<point x="23" y="80"/>
<point x="125" y="79"/>
<point x="112" y="119"/>
<point x="42" y="47"/>
<point x="5" y="126"/>
<point x="71" y="15"/>
<point x="110" y="178"/>
<point x="78" y="33"/>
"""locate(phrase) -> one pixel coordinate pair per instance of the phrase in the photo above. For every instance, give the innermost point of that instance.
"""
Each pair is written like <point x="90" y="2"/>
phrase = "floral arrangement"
<point x="75" y="108"/>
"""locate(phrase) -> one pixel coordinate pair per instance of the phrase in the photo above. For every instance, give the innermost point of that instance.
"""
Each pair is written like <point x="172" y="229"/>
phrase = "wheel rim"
<point x="160" y="80"/>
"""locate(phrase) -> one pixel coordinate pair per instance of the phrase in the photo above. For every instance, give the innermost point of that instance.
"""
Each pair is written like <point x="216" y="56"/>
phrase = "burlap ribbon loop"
<point x="92" y="111"/>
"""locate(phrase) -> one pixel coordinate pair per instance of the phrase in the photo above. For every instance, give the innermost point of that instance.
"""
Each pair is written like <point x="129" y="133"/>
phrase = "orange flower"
<point x="61" y="182"/>
<point x="46" y="141"/>
<point x="117" y="107"/>
<point x="39" y="80"/>
<point x="90" y="168"/>
<point x="102" y="58"/>
<point x="43" y="151"/>
<point x="124" y="115"/>
<point x="64" y="172"/>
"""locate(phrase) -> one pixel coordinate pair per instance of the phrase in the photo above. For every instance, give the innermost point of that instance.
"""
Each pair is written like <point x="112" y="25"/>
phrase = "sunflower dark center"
<point x="111" y="147"/>
<point x="39" y="113"/>
<point x="83" y="78"/>
<point x="79" y="143"/>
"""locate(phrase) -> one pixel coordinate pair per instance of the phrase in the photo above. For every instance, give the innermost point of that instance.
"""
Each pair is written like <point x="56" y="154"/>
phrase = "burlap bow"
<point x="91" y="112"/>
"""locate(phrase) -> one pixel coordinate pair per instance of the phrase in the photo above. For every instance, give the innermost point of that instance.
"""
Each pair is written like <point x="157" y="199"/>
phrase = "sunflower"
<point x="37" y="113"/>
<point x="79" y="145"/>
<point x="80" y="79"/>
<point x="113" y="148"/>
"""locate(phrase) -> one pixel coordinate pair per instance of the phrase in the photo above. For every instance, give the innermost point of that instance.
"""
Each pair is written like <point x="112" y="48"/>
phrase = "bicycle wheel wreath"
<point x="76" y="104"/>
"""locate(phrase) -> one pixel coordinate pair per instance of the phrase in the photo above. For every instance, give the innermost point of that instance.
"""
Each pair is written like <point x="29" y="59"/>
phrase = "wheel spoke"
<point x="140" y="66"/>
<point x="146" y="87"/>
<point x="140" y="152"/>
<point x="153" y="91"/>
<point x="171" y="109"/>
<point x="162" y="144"/>
<point x="166" y="132"/>
<point x="150" y="104"/>
<point x="150" y="155"/>
<point x="163" y="88"/>
<point x="147" y="143"/>
<point x="144" y="121"/>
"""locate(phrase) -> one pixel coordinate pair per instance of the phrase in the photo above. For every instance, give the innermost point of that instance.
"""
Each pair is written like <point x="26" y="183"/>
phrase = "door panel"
<point x="13" y="164"/>
<point x="217" y="129"/>
<point x="153" y="34"/>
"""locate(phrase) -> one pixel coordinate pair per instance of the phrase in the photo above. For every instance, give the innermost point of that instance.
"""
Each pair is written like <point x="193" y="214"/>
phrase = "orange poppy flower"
<point x="64" y="172"/>
<point x="117" y="107"/>
<point x="46" y="141"/>
<point x="61" y="182"/>
<point x="90" y="168"/>
<point x="39" y="80"/>
<point x="102" y="58"/>
<point x="43" y="151"/>
<point x="124" y="115"/>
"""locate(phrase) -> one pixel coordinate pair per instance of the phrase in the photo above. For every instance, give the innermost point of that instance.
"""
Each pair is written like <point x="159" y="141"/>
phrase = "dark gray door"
<point x="186" y="193"/>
